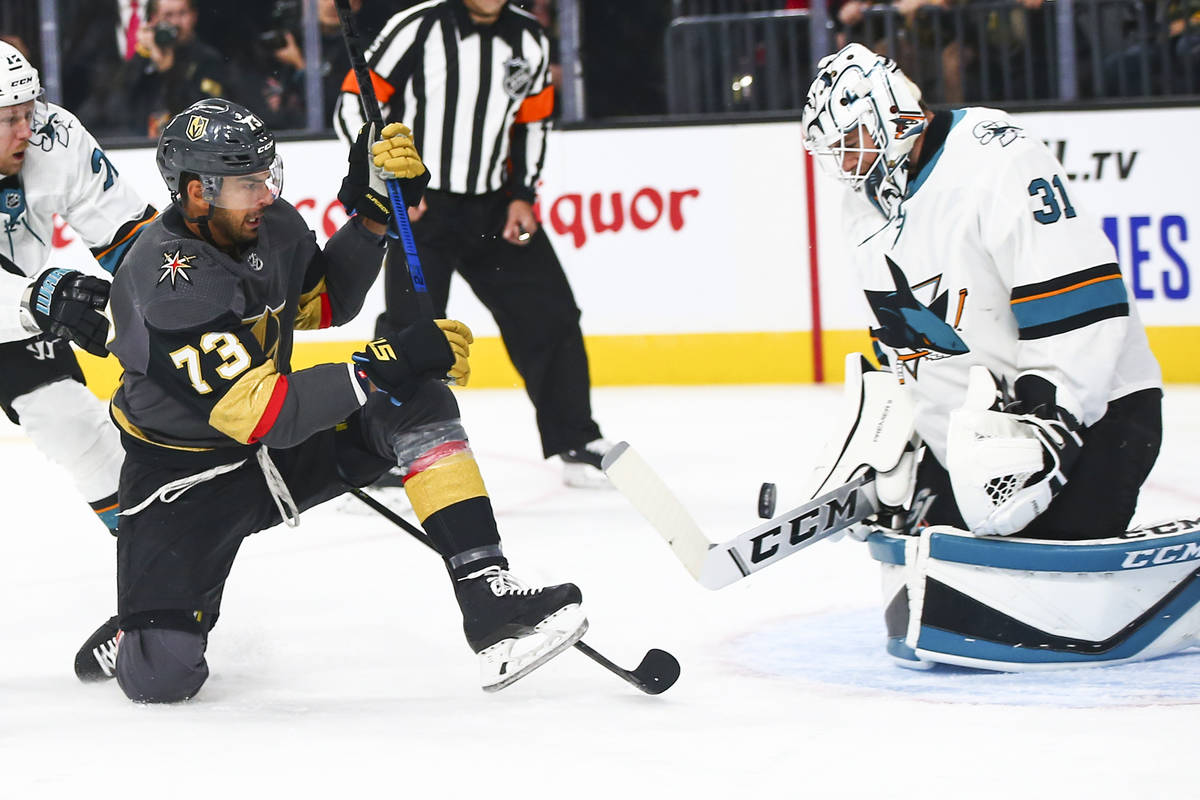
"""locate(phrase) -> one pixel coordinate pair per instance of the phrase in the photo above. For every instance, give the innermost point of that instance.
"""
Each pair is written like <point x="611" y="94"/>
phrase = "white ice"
<point x="339" y="669"/>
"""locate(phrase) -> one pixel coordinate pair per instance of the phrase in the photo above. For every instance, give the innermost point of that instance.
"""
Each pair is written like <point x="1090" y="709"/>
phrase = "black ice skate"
<point x="513" y="628"/>
<point x="97" y="659"/>
<point x="581" y="465"/>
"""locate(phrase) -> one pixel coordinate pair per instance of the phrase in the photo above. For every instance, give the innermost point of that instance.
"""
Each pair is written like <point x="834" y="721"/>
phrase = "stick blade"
<point x="647" y="493"/>
<point x="658" y="671"/>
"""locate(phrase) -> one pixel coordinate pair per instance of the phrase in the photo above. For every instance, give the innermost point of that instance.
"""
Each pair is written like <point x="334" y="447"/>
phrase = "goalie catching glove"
<point x="1009" y="455"/>
<point x="425" y="350"/>
<point x="372" y="162"/>
<point x="67" y="304"/>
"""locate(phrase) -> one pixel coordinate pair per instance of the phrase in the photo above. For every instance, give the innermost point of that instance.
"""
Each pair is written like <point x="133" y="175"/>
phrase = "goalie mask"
<point x="227" y="147"/>
<point x="860" y="122"/>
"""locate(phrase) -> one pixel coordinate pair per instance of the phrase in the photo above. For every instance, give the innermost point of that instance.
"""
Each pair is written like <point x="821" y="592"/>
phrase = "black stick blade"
<point x="658" y="672"/>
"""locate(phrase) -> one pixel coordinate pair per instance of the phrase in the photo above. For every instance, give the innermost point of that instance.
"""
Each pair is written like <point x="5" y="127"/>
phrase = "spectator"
<point x="171" y="69"/>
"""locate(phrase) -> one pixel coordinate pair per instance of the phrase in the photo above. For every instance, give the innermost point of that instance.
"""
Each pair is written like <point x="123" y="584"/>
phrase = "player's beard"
<point x="231" y="226"/>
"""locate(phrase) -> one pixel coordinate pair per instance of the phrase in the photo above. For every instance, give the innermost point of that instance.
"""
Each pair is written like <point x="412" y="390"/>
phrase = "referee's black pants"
<point x="527" y="292"/>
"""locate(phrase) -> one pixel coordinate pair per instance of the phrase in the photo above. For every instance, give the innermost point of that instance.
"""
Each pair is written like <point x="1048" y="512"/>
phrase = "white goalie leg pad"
<point x="874" y="431"/>
<point x="1015" y="605"/>
<point x="509" y="660"/>
<point x="70" y="426"/>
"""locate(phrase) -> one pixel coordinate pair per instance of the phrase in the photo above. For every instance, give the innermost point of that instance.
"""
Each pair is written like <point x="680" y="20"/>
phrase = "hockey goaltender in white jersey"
<point x="1022" y="372"/>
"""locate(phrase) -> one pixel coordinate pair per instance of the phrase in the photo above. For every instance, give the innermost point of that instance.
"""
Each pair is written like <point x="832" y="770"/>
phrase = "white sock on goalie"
<point x="70" y="426"/>
<point x="1020" y="604"/>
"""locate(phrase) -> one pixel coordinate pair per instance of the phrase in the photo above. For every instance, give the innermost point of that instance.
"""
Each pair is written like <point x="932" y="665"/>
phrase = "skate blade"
<point x="499" y="666"/>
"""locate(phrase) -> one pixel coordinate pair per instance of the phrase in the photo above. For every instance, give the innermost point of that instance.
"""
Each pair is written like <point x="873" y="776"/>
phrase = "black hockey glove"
<point x="424" y="350"/>
<point x="373" y="159"/>
<point x="67" y="304"/>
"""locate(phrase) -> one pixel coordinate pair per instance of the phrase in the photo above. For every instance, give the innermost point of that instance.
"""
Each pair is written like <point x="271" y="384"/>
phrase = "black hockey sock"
<point x="465" y="534"/>
<point x="107" y="509"/>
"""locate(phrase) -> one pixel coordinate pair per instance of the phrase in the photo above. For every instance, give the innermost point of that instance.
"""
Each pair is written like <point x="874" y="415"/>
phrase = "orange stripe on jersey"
<point x="383" y="89"/>
<point x="538" y="107"/>
<point x="1066" y="289"/>
<point x="126" y="237"/>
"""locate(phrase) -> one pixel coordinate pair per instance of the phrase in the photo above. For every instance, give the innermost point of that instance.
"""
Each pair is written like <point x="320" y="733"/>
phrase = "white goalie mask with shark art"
<point x="860" y="122"/>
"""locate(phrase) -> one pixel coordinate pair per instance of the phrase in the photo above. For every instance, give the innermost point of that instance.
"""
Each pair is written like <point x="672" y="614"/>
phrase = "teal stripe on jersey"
<point x="1063" y="306"/>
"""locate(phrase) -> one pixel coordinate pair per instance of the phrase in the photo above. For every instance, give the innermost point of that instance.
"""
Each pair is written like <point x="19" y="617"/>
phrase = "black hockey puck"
<point x="766" y="501"/>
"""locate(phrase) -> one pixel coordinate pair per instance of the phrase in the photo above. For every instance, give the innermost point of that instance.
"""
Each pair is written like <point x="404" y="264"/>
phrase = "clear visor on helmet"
<point x="245" y="191"/>
<point x="32" y="114"/>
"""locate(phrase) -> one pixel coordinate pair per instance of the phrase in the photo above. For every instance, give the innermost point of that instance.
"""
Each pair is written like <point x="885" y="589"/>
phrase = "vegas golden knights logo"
<point x="382" y="350"/>
<point x="196" y="127"/>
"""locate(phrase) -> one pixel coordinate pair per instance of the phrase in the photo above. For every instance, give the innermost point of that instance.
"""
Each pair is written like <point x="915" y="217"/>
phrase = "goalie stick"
<point x="718" y="564"/>
<point x="658" y="669"/>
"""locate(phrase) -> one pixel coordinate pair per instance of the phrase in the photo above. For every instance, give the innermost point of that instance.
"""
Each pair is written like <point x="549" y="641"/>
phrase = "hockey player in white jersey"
<point x="972" y="253"/>
<point x="50" y="164"/>
<point x="1002" y="314"/>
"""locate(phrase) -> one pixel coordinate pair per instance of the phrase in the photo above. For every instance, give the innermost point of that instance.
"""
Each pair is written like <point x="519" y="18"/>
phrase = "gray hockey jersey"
<point x="205" y="339"/>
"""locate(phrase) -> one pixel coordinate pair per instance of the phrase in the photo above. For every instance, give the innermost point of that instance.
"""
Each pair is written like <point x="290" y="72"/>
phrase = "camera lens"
<point x="165" y="35"/>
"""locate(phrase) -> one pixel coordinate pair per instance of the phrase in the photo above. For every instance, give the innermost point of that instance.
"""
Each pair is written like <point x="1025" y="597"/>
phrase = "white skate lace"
<point x="106" y="656"/>
<point x="502" y="582"/>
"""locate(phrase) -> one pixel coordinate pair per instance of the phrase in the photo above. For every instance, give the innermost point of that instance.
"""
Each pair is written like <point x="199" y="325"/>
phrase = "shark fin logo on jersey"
<point x="996" y="131"/>
<point x="518" y="77"/>
<point x="196" y="127"/>
<point x="53" y="131"/>
<point x="905" y="323"/>
<point x="175" y="266"/>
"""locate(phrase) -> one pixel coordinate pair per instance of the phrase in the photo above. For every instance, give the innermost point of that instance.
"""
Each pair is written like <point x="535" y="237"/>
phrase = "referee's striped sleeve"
<point x="384" y="56"/>
<point x="531" y="126"/>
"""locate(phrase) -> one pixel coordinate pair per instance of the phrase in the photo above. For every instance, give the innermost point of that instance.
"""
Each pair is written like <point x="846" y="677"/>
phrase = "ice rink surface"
<point x="339" y="667"/>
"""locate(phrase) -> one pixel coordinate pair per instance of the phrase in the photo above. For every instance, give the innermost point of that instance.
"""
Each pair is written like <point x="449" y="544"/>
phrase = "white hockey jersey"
<point x="991" y="262"/>
<point x="65" y="172"/>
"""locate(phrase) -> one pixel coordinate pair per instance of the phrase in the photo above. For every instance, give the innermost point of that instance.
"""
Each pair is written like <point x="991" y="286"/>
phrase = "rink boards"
<point x="694" y="250"/>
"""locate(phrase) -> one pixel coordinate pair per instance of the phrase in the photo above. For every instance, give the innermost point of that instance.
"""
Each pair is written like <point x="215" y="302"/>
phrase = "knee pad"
<point x="161" y="665"/>
<point x="69" y="425"/>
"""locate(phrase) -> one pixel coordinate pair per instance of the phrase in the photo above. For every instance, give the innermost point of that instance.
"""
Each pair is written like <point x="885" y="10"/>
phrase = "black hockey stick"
<point x="658" y="669"/>
<point x="415" y="292"/>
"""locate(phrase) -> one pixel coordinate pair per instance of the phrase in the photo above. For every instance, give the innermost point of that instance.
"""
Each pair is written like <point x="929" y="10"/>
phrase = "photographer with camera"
<point x="172" y="68"/>
<point x="271" y="68"/>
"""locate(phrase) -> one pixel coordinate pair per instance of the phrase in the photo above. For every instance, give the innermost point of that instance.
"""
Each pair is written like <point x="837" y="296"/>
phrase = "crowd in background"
<point x="128" y="65"/>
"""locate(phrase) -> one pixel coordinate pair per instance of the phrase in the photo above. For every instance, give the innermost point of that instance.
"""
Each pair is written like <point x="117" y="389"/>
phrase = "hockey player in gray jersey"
<point x="1023" y="374"/>
<point x="50" y="164"/>
<point x="224" y="439"/>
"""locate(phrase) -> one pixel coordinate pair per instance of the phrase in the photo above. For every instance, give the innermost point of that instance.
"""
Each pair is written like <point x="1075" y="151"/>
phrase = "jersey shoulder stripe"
<point x="1069" y="302"/>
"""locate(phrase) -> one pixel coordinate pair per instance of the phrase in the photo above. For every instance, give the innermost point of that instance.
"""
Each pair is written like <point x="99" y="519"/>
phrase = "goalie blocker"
<point x="1014" y="604"/>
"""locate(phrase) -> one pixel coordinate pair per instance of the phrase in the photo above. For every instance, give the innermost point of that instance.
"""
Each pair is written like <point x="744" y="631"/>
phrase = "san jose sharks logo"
<point x="996" y="131"/>
<point x="51" y="132"/>
<point x="916" y="330"/>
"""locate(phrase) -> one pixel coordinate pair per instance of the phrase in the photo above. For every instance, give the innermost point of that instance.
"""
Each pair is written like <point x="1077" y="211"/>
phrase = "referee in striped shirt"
<point x="471" y="79"/>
